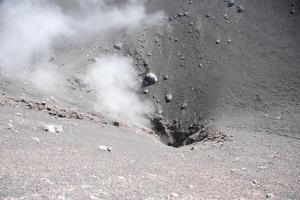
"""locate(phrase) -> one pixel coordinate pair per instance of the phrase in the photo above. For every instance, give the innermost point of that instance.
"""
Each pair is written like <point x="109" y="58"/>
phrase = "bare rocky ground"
<point x="37" y="164"/>
<point x="236" y="68"/>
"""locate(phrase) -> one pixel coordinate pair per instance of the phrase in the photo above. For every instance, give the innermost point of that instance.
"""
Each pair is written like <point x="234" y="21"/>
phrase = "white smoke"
<point x="115" y="81"/>
<point x="29" y="30"/>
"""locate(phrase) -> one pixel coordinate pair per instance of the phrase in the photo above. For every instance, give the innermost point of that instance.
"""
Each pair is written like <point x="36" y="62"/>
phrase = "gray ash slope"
<point x="229" y="64"/>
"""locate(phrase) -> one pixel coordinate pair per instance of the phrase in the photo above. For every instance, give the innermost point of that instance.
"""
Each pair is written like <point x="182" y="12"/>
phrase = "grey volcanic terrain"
<point x="170" y="99"/>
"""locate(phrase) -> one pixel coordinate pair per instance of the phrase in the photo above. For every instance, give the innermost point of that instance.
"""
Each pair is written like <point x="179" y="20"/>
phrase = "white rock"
<point x="53" y="128"/>
<point x="105" y="148"/>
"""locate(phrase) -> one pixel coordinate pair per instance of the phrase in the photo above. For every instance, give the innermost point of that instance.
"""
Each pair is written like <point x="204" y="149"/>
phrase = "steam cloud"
<point x="115" y="81"/>
<point x="29" y="29"/>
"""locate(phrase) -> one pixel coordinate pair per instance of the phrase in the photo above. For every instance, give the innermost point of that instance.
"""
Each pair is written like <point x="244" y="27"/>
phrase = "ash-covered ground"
<point x="96" y="94"/>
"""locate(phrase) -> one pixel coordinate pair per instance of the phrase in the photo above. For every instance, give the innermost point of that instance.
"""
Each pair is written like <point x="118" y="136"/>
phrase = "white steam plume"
<point x="29" y="30"/>
<point x="115" y="81"/>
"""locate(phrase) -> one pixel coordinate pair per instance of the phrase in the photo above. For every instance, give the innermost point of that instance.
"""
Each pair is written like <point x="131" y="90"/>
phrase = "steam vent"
<point x="150" y="100"/>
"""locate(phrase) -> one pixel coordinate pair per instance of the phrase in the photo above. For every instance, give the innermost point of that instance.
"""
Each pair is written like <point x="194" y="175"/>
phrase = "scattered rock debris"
<point x="52" y="110"/>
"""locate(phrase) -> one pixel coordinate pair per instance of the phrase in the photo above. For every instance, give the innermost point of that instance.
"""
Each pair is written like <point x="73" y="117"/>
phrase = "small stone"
<point x="146" y="91"/>
<point x="180" y="14"/>
<point x="229" y="41"/>
<point x="105" y="148"/>
<point x="169" y="98"/>
<point x="231" y="3"/>
<point x="218" y="41"/>
<point x="293" y="4"/>
<point x="58" y="129"/>
<point x="241" y="9"/>
<point x="53" y="128"/>
<point x="174" y="194"/>
<point x="157" y="117"/>
<point x="49" y="128"/>
<point x="94" y="197"/>
<point x="166" y="77"/>
<point x="254" y="182"/>
<point x="183" y="106"/>
<point x="226" y="16"/>
<point x="35" y="139"/>
<point x="93" y="59"/>
<point x="269" y="195"/>
<point x="116" y="123"/>
<point x="52" y="58"/>
<point x="292" y="11"/>
<point x="200" y="65"/>
<point x="118" y="46"/>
